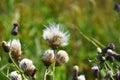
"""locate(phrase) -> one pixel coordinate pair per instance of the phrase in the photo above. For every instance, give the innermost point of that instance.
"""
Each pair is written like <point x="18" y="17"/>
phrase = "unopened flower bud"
<point x="95" y="71"/>
<point x="111" y="46"/>
<point x="117" y="7"/>
<point x="15" y="29"/>
<point x="99" y="51"/>
<point x="48" y="57"/>
<point x="15" y="76"/>
<point x="102" y="59"/>
<point x="118" y="75"/>
<point x="27" y="66"/>
<point x="61" y="57"/>
<point x="5" y="46"/>
<point x="110" y="58"/>
<point x="114" y="54"/>
<point x="75" y="72"/>
<point x="108" y="75"/>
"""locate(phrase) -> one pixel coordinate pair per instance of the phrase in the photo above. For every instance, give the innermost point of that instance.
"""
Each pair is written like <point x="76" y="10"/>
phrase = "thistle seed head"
<point x="48" y="57"/>
<point x="15" y="76"/>
<point x="27" y="66"/>
<point x="15" y="48"/>
<point x="61" y="57"/>
<point x="55" y="36"/>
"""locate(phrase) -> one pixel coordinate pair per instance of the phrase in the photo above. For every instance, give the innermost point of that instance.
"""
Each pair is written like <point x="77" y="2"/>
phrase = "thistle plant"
<point x="106" y="61"/>
<point x="23" y="67"/>
<point x="75" y="74"/>
<point x="106" y="64"/>
<point x="55" y="37"/>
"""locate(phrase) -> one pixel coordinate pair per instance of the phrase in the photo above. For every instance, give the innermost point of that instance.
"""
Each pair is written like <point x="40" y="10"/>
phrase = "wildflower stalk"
<point x="3" y="72"/>
<point x="91" y="40"/>
<point x="45" y="74"/>
<point x="55" y="51"/>
<point x="20" y="71"/>
<point x="86" y="37"/>
<point x="23" y="76"/>
<point x="106" y="67"/>
<point x="4" y="67"/>
<point x="13" y="61"/>
<point x="15" y="65"/>
<point x="96" y="41"/>
<point x="4" y="75"/>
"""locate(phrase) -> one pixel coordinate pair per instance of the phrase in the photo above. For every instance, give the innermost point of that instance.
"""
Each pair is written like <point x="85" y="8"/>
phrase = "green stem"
<point x="21" y="72"/>
<point x="45" y="74"/>
<point x="4" y="75"/>
<point x="2" y="68"/>
<point x="106" y="65"/>
<point x="88" y="39"/>
<point x="55" y="51"/>
<point x="13" y="62"/>
<point x="96" y="41"/>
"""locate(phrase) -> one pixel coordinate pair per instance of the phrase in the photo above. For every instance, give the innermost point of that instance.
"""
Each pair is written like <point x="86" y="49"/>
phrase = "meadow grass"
<point x="95" y="18"/>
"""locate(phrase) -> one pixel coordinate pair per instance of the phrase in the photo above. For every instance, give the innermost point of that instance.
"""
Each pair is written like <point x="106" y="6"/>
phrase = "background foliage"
<point x="95" y="18"/>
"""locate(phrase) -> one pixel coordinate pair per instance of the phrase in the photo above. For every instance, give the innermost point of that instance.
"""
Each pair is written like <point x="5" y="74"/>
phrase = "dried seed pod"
<point x="27" y="66"/>
<point x="15" y="76"/>
<point x="15" y="48"/>
<point x="61" y="57"/>
<point x="5" y="46"/>
<point x="75" y="72"/>
<point x="48" y="57"/>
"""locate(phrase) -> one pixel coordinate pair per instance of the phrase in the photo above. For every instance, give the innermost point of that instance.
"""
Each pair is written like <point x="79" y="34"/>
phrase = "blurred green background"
<point x="95" y="18"/>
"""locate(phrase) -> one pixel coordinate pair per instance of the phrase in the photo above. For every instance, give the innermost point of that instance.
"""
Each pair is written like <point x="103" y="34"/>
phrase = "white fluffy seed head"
<point x="15" y="45"/>
<point x="48" y="57"/>
<point x="61" y="57"/>
<point x="15" y="76"/>
<point x="27" y="66"/>
<point x="15" y="48"/>
<point x="81" y="77"/>
<point x="99" y="51"/>
<point x="55" y="36"/>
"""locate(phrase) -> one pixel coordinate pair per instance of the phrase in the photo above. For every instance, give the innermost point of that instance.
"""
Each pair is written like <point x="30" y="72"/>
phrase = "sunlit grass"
<point x="96" y="19"/>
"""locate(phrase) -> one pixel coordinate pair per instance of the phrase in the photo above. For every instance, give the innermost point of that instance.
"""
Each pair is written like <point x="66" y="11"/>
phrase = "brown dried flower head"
<point x="48" y="57"/>
<point x="27" y="66"/>
<point x="55" y="36"/>
<point x="15" y="48"/>
<point x="5" y="46"/>
<point x="61" y="57"/>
